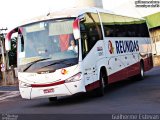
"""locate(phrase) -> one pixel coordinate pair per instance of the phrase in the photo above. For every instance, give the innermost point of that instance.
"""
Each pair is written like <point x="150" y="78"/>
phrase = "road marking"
<point x="9" y="94"/>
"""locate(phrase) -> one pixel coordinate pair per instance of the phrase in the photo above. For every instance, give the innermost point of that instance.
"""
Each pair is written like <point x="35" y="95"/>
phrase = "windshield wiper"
<point x="34" y="63"/>
<point x="59" y="62"/>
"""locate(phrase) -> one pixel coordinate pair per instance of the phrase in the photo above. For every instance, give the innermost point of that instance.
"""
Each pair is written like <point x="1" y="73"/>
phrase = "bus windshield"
<point x="50" y="40"/>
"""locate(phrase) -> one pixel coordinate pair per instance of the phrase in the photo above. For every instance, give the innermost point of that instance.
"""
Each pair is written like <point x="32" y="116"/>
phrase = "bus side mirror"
<point x="8" y="40"/>
<point x="76" y="29"/>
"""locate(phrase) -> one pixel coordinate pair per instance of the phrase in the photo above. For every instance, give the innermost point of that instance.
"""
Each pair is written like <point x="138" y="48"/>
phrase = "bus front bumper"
<point x="65" y="89"/>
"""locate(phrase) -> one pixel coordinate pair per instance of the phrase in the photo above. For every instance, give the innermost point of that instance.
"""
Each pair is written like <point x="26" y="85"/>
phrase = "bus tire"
<point x="141" y="74"/>
<point x="52" y="99"/>
<point x="100" y="90"/>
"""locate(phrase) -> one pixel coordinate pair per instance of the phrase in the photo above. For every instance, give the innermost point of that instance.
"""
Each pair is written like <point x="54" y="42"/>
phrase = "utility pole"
<point x="3" y="65"/>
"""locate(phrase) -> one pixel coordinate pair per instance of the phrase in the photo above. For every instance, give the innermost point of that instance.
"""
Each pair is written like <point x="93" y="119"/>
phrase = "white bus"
<point x="79" y="50"/>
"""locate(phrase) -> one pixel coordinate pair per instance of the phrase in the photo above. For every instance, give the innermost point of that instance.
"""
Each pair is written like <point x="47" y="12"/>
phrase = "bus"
<point x="79" y="50"/>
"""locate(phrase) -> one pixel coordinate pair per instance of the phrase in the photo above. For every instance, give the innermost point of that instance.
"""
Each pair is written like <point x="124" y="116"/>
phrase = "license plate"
<point x="48" y="91"/>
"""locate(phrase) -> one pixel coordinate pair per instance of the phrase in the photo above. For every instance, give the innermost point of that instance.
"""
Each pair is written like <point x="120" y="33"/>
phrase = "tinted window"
<point x="120" y="26"/>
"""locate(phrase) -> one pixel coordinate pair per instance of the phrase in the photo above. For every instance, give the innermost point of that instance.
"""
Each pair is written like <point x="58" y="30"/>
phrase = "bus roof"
<point x="64" y="13"/>
<point x="67" y="13"/>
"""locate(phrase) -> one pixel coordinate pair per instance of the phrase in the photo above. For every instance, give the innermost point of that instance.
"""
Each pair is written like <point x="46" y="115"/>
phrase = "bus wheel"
<point x="53" y="99"/>
<point x="141" y="74"/>
<point x="100" y="91"/>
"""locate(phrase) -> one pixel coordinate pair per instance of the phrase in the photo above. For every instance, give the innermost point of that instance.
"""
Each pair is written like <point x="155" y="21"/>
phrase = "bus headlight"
<point x="23" y="84"/>
<point x="74" y="78"/>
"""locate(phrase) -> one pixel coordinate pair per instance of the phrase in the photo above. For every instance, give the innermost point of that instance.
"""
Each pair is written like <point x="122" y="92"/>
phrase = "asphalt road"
<point x="129" y="96"/>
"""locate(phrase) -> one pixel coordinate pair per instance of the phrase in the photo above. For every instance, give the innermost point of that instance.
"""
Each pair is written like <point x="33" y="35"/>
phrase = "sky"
<point x="14" y="12"/>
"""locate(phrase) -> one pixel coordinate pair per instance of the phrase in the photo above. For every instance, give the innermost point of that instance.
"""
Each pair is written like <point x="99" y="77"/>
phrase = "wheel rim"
<point x="142" y="71"/>
<point x="102" y="80"/>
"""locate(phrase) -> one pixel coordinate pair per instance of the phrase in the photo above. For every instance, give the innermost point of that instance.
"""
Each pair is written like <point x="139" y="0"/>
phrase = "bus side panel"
<point x="121" y="63"/>
<point x="125" y="62"/>
<point x="133" y="69"/>
<point x="90" y="68"/>
<point x="117" y="69"/>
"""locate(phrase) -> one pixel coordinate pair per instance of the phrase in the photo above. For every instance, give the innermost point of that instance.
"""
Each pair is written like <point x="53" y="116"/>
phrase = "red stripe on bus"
<point x="130" y="71"/>
<point x="48" y="85"/>
<point x="92" y="86"/>
<point x="124" y="73"/>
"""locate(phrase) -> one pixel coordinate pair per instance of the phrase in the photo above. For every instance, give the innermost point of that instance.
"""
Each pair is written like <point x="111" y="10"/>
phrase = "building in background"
<point x="154" y="28"/>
